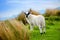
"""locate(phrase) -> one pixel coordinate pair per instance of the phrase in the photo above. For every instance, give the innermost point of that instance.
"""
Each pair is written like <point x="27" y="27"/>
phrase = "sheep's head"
<point x="27" y="14"/>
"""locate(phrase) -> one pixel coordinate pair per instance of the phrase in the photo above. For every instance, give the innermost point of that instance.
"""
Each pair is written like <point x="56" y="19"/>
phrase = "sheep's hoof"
<point x="41" y="33"/>
<point x="44" y="32"/>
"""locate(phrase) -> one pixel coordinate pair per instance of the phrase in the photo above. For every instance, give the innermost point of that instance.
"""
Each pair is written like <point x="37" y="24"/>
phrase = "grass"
<point x="13" y="30"/>
<point x="52" y="32"/>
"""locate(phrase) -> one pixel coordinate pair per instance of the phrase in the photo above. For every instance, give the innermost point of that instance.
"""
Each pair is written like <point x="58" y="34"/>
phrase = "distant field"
<point x="52" y="32"/>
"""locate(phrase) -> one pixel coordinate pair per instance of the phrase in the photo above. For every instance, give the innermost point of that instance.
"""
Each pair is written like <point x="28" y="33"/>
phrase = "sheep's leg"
<point x="40" y="28"/>
<point x="44" y="29"/>
<point x="31" y="27"/>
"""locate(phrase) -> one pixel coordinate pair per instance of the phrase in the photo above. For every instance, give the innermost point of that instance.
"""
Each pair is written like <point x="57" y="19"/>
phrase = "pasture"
<point x="15" y="30"/>
<point x="52" y="31"/>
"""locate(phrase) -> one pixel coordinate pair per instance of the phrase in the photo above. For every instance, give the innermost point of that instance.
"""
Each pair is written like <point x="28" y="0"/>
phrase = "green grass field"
<point x="52" y="32"/>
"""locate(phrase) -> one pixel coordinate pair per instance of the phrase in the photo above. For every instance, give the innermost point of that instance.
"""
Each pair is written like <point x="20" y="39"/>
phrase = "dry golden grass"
<point x="13" y="30"/>
<point x="34" y="12"/>
<point x="21" y="17"/>
<point x="52" y="12"/>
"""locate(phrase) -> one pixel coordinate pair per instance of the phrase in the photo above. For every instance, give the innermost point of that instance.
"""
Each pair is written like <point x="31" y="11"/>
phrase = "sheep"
<point x="36" y="20"/>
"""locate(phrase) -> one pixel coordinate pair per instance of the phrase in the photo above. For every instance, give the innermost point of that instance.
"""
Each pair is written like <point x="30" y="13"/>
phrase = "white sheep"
<point x="36" y="20"/>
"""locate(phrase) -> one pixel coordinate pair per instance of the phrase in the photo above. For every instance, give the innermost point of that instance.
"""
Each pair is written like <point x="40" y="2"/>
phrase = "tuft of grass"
<point x="13" y="30"/>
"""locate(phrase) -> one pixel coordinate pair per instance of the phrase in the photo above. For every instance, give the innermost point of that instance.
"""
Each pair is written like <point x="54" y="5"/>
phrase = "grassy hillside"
<point x="16" y="30"/>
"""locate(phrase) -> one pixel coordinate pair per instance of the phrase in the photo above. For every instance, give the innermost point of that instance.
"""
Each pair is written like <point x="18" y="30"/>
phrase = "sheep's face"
<point x="27" y="14"/>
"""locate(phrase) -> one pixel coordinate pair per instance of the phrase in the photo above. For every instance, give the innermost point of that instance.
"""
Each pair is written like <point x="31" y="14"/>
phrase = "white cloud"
<point x="35" y="3"/>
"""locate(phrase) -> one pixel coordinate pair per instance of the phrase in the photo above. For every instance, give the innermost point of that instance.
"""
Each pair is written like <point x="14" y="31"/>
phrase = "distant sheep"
<point x="36" y="20"/>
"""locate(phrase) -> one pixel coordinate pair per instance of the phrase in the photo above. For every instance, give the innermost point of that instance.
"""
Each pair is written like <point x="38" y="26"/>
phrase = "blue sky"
<point x="11" y="8"/>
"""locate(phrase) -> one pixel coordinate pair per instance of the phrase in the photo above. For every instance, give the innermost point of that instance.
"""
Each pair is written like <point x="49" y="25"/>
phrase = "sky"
<point x="11" y="8"/>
